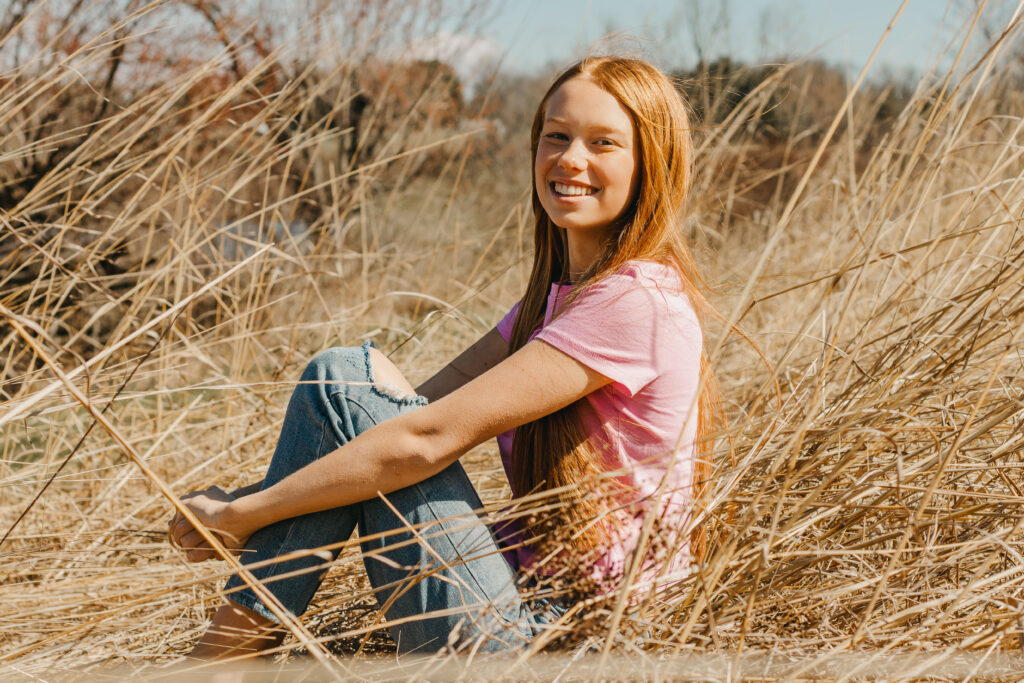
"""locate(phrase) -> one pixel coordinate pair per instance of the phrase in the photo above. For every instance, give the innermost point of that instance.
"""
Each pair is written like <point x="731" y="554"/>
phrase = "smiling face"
<point x="587" y="156"/>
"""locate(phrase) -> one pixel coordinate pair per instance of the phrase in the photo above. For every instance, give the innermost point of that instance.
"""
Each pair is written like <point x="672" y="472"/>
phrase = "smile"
<point x="572" y="190"/>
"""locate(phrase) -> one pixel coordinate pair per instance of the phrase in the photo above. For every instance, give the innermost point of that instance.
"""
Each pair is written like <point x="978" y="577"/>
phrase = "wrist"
<point x="248" y="514"/>
<point x="247" y="490"/>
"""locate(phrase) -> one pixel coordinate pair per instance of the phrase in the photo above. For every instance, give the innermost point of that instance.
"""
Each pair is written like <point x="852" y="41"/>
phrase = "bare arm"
<point x="484" y="354"/>
<point x="535" y="381"/>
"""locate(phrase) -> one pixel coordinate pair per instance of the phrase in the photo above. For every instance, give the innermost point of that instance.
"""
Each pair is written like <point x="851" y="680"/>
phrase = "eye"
<point x="560" y="137"/>
<point x="604" y="142"/>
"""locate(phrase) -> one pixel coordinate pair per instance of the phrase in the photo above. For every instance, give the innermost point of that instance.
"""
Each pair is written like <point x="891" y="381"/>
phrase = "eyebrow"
<point x="595" y="129"/>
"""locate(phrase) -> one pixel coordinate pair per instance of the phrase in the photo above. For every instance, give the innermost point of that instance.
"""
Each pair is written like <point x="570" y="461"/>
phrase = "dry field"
<point x="164" y="279"/>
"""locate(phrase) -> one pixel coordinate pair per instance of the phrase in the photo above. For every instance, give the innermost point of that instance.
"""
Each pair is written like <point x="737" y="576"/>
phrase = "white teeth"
<point x="573" y="190"/>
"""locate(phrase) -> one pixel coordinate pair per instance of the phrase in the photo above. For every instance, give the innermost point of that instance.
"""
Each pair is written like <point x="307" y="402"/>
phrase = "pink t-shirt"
<point x="637" y="328"/>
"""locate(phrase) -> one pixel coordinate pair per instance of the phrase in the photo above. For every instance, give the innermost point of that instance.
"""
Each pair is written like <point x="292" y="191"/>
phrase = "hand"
<point x="212" y="507"/>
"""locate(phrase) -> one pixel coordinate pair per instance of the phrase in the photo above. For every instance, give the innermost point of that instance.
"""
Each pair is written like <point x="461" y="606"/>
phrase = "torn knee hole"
<point x="387" y="378"/>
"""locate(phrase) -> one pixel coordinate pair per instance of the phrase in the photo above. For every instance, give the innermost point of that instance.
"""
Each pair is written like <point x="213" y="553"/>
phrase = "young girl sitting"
<point x="591" y="384"/>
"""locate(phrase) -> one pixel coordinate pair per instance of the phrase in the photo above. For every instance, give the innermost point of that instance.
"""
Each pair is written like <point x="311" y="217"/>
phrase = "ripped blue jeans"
<point x="434" y="565"/>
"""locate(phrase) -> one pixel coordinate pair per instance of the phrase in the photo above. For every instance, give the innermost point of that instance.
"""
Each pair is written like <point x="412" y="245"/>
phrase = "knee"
<point x="387" y="376"/>
<point x="361" y="364"/>
<point x="338" y="364"/>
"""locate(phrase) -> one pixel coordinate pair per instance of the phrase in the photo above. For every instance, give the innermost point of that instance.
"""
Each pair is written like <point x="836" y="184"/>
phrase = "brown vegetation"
<point x="176" y="247"/>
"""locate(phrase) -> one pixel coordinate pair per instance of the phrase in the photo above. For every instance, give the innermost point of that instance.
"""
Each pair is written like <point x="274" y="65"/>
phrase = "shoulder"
<point x="644" y="286"/>
<point x="643" y="274"/>
<point x="631" y="326"/>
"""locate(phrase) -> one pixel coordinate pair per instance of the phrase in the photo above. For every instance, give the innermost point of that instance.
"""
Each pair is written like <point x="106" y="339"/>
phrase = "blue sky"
<point x="532" y="33"/>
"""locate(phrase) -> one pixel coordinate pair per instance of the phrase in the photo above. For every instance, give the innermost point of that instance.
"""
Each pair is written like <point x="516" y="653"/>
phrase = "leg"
<point x="328" y="408"/>
<point x="448" y="563"/>
<point x="435" y="567"/>
<point x="237" y="630"/>
<point x="437" y="571"/>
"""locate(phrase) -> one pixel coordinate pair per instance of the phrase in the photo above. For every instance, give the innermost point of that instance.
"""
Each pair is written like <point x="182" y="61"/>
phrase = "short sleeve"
<point x="506" y="324"/>
<point x="626" y="328"/>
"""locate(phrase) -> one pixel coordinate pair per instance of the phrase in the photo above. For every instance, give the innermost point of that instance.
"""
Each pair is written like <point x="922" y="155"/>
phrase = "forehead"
<point x="580" y="101"/>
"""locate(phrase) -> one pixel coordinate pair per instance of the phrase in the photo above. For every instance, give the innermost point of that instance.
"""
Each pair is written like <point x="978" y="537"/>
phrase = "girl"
<point x="590" y="378"/>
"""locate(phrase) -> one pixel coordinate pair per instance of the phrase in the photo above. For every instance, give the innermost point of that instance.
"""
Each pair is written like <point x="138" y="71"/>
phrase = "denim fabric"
<point x="436" y="570"/>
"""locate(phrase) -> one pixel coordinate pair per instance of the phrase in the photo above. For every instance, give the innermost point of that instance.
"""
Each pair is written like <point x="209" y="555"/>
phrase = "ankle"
<point x="237" y="631"/>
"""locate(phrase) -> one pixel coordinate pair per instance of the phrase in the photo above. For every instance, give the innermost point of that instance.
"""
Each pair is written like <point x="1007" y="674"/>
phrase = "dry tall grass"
<point x="868" y="496"/>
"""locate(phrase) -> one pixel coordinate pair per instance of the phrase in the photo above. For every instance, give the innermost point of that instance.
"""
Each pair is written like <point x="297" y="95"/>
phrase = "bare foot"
<point x="236" y="632"/>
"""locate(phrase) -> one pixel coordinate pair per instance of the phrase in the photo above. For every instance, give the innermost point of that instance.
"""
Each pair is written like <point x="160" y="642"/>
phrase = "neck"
<point x="585" y="248"/>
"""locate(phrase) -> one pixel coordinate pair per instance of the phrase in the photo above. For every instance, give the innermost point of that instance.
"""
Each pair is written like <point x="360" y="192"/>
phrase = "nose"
<point x="574" y="157"/>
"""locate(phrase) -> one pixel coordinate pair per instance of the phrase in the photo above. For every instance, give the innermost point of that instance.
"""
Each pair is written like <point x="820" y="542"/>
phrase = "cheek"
<point x="627" y="179"/>
<point x="634" y="185"/>
<point x="540" y="169"/>
<point x="541" y="165"/>
<point x="634" y="175"/>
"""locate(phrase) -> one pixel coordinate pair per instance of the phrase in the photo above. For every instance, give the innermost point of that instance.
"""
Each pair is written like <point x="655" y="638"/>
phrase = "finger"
<point x="199" y="555"/>
<point x="181" y="529"/>
<point x="193" y="539"/>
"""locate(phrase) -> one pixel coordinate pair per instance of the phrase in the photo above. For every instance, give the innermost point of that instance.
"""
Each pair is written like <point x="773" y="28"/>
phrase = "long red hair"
<point x="554" y="451"/>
